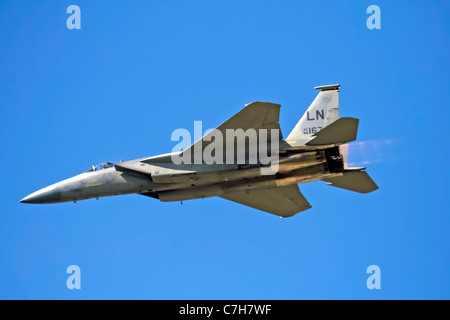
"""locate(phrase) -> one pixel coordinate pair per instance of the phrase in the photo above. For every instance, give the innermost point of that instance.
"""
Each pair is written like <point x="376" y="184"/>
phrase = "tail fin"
<point x="323" y="111"/>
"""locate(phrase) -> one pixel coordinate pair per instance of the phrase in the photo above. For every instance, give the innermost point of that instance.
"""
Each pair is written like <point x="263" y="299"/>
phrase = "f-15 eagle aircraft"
<point x="316" y="149"/>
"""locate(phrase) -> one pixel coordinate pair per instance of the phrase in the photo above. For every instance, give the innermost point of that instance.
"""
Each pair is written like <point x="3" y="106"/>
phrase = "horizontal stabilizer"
<point x="281" y="201"/>
<point x="358" y="181"/>
<point x="341" y="131"/>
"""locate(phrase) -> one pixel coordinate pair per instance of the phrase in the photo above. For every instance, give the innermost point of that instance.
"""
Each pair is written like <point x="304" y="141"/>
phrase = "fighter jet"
<point x="316" y="149"/>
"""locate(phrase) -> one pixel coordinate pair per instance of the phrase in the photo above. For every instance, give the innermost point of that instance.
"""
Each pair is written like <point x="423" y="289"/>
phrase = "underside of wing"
<point x="358" y="181"/>
<point x="281" y="201"/>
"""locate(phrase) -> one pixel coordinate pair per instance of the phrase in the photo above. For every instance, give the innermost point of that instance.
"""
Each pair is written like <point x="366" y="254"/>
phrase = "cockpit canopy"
<point x="101" y="166"/>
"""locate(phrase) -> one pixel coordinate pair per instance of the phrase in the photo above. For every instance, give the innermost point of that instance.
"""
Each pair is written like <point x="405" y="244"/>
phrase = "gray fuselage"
<point x="157" y="177"/>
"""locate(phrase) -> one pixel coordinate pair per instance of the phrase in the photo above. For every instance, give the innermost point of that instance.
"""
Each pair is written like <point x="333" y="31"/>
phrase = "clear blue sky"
<point x="137" y="70"/>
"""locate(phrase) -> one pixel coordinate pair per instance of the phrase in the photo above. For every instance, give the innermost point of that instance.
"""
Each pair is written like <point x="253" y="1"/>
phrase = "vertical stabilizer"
<point x="323" y="111"/>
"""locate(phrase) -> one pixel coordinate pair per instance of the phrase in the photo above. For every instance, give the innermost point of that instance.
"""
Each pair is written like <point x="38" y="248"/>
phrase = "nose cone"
<point x="49" y="194"/>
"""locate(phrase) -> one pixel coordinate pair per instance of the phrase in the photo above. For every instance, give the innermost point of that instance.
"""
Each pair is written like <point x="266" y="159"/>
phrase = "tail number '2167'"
<point x="311" y="130"/>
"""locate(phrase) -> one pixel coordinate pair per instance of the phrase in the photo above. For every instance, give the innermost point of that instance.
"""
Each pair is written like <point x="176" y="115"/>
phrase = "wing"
<point x="256" y="115"/>
<point x="281" y="201"/>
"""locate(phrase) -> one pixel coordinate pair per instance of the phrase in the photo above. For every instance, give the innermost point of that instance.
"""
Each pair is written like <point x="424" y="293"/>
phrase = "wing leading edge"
<point x="281" y="201"/>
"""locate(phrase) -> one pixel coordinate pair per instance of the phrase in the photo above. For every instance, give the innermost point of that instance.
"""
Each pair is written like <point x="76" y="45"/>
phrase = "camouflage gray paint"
<point x="314" y="150"/>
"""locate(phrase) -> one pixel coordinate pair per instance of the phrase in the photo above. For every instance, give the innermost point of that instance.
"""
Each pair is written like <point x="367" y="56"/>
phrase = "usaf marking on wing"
<point x="316" y="149"/>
